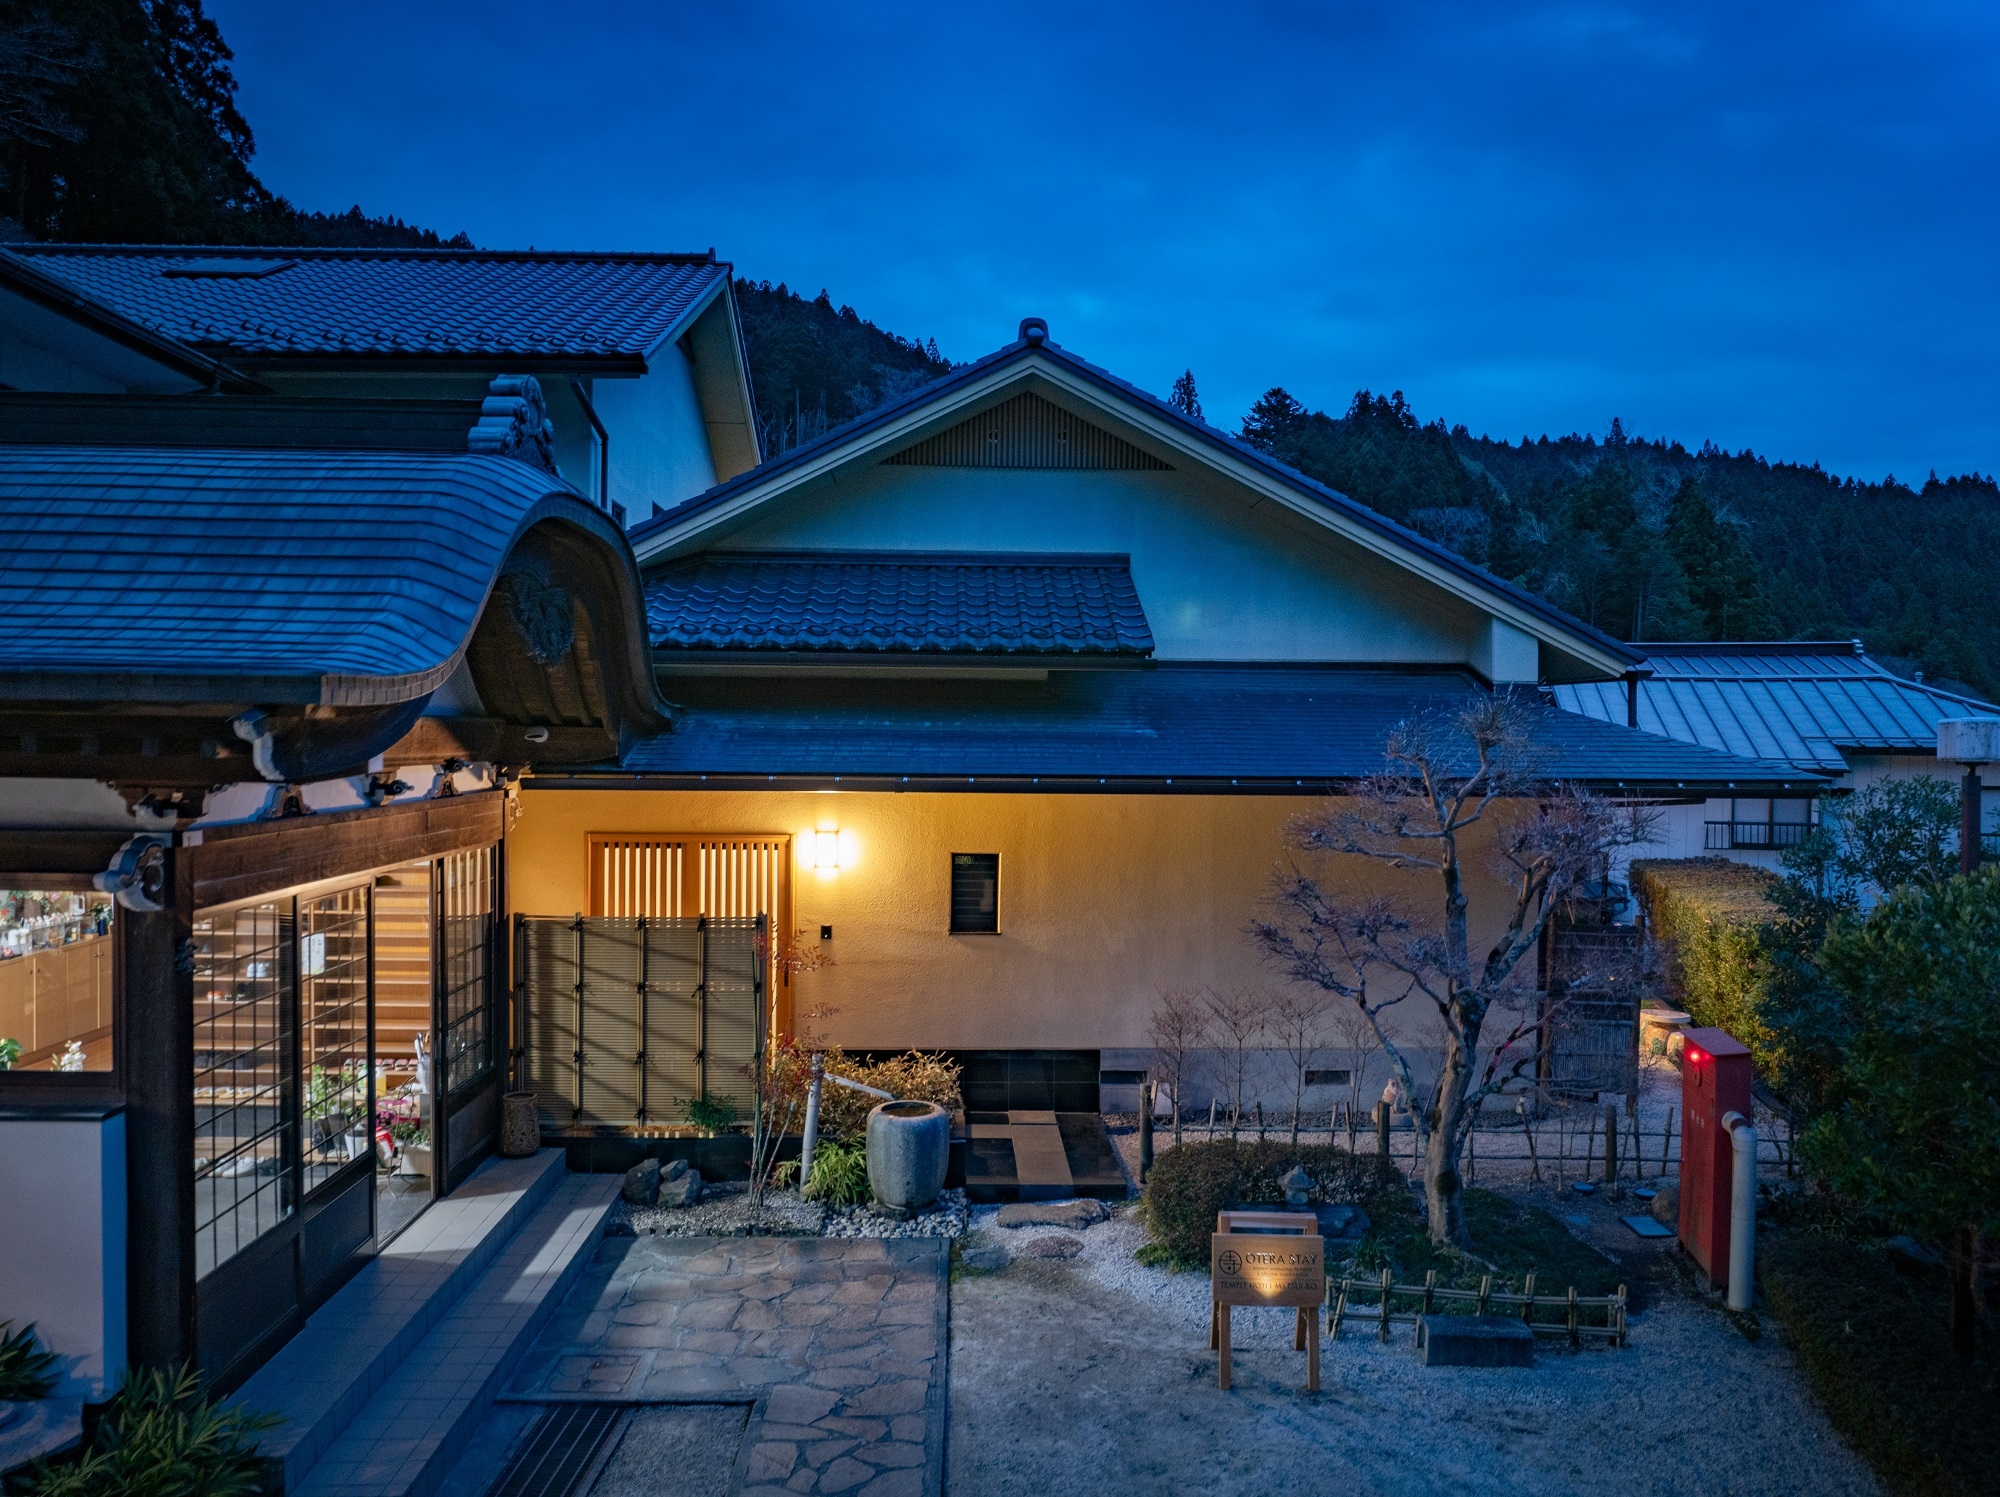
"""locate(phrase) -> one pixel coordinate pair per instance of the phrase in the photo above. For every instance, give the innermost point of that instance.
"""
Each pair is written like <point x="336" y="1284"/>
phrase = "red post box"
<point x="1715" y="1081"/>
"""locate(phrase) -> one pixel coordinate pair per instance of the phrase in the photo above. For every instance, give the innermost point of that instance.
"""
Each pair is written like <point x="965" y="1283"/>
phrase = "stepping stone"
<point x="1075" y="1215"/>
<point x="1645" y="1226"/>
<point x="1062" y="1246"/>
<point x="1475" y="1341"/>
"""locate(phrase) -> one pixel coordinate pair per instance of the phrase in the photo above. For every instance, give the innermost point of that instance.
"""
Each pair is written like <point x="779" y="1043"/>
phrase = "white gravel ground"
<point x="724" y="1211"/>
<point x="1093" y="1374"/>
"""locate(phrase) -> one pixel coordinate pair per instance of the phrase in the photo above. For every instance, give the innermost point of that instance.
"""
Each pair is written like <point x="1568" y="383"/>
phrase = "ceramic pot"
<point x="520" y="1125"/>
<point x="909" y="1148"/>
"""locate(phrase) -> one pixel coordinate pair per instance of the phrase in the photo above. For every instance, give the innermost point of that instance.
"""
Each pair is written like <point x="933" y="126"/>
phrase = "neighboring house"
<point x="1825" y="708"/>
<point x="639" y="357"/>
<point x="1000" y="697"/>
<point x="269" y="658"/>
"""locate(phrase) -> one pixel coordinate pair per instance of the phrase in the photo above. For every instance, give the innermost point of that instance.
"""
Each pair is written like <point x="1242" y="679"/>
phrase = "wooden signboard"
<point x="1279" y="1260"/>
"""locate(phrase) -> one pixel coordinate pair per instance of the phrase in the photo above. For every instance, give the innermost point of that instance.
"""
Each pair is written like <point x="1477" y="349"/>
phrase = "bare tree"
<point x="1447" y="772"/>
<point x="1179" y="1029"/>
<point x="1298" y="1021"/>
<point x="1238" y="1017"/>
<point x="1351" y="1022"/>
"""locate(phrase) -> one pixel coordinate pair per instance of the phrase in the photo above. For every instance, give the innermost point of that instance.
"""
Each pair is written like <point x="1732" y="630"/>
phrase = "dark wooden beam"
<point x="157" y="1050"/>
<point x="490" y="740"/>
<point x="247" y="859"/>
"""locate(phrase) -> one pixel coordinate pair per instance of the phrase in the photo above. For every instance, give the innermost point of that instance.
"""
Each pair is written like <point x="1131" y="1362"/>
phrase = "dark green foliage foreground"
<point x="1189" y="1184"/>
<point x="1879" y="1353"/>
<point x="161" y="1438"/>
<point x="26" y="1370"/>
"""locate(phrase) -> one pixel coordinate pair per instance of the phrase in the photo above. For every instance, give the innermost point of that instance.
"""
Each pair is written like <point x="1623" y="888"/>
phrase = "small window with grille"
<point x="975" y="893"/>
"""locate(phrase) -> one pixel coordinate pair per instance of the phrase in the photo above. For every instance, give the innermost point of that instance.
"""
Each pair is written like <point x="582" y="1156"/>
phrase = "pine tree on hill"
<point x="1724" y="582"/>
<point x="1185" y="398"/>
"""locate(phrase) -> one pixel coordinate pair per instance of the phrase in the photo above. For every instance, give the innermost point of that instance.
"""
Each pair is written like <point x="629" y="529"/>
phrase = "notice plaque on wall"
<point x="1262" y="1268"/>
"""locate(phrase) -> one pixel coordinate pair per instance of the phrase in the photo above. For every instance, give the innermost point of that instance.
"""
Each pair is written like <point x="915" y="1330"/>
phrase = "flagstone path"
<point x="839" y="1344"/>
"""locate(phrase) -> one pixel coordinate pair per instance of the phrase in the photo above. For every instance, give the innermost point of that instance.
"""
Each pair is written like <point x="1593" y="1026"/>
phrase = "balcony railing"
<point x="1762" y="835"/>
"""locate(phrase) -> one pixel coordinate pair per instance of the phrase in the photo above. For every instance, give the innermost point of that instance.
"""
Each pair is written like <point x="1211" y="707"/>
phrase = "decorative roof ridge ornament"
<point x="514" y="422"/>
<point x="137" y="877"/>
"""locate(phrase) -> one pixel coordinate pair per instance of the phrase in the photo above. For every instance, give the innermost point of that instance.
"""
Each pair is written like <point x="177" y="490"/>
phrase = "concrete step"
<point x="405" y="1440"/>
<point x="351" y="1345"/>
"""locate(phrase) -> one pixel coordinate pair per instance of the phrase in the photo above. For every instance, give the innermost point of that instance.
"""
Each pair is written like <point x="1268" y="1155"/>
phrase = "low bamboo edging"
<point x="1486" y="1300"/>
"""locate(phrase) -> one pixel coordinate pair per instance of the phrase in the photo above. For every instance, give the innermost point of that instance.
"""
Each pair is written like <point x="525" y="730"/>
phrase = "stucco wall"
<point x="1222" y="576"/>
<point x="1104" y="902"/>
<point x="659" y="444"/>
<point x="62" y="1243"/>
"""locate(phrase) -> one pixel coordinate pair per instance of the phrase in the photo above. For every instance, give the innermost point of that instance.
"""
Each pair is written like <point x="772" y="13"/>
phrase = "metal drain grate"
<point x="563" y="1451"/>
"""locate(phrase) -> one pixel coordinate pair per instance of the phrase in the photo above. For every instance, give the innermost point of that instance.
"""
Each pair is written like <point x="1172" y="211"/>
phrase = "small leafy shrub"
<point x="26" y="1370"/>
<point x="1193" y="1181"/>
<point x="10" y="1051"/>
<point x="714" y="1114"/>
<point x="843" y="1112"/>
<point x="161" y="1438"/>
<point x="839" y="1173"/>
<point x="1877" y="1347"/>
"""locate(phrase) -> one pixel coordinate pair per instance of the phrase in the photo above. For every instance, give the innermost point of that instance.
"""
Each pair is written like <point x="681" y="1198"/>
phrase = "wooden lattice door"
<point x="689" y="874"/>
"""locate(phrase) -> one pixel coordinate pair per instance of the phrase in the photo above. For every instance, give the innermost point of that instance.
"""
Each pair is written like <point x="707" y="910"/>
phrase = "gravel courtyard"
<point x="1091" y="1373"/>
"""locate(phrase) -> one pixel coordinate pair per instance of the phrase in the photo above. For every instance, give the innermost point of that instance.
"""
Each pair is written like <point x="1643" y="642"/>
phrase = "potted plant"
<point x="413" y="1145"/>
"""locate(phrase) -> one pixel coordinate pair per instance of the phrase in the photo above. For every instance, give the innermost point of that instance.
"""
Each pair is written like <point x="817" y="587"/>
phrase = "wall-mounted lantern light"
<point x="826" y="851"/>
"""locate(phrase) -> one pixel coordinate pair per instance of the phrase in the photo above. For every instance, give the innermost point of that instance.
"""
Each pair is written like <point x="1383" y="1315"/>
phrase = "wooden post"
<point x="1666" y="1142"/>
<point x="1621" y="1316"/>
<point x="1312" y="1351"/>
<point x="1299" y="1328"/>
<point x="1145" y="1131"/>
<point x="1382" y="1129"/>
<point x="1574" y="1338"/>
<point x="1214" y="1320"/>
<point x="1485" y="1290"/>
<point x="1339" y="1308"/>
<point x="1430" y="1289"/>
<point x="1385" y="1305"/>
<point x="1589" y="1147"/>
<point x="1610" y="1144"/>
<point x="1222" y="1346"/>
<point x="1528" y="1310"/>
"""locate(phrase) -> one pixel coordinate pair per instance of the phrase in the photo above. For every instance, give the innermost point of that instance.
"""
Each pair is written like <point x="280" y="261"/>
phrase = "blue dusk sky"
<point x="1769" y="225"/>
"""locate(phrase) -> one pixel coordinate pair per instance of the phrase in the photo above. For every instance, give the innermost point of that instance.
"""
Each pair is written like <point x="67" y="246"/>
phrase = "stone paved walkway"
<point x="839" y="1344"/>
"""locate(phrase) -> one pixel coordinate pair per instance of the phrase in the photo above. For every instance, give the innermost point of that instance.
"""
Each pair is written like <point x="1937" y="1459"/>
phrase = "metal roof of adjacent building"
<point x="286" y="576"/>
<point x="377" y="302"/>
<point x="1174" y="726"/>
<point x="976" y="603"/>
<point x="1802" y="703"/>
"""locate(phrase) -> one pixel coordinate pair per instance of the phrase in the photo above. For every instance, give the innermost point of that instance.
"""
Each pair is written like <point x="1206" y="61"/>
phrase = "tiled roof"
<point x="1798" y="703"/>
<point x="334" y="302"/>
<point x="1198" y="725"/>
<point x="731" y="492"/>
<point x="922" y="602"/>
<point x="286" y="576"/>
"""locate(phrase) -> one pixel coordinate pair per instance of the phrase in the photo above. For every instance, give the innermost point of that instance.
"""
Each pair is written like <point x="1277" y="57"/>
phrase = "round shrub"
<point x="1192" y="1182"/>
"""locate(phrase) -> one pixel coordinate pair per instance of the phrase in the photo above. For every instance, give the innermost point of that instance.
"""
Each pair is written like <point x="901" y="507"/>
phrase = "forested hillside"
<point x="1649" y="540"/>
<point x="813" y="366"/>
<point x="118" y="124"/>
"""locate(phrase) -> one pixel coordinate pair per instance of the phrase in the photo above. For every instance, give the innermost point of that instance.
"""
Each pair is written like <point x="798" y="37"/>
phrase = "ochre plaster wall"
<point x="1104" y="901"/>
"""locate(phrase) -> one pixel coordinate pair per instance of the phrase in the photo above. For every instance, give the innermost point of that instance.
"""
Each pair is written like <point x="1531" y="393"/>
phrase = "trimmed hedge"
<point x="1878" y="1350"/>
<point x="1715" y="921"/>
<point x="1193" y="1181"/>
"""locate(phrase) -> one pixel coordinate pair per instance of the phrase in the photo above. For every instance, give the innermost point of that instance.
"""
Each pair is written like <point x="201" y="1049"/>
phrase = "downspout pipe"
<point x="1742" y="1211"/>
<point x="603" y="443"/>
<point x="820" y="1075"/>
